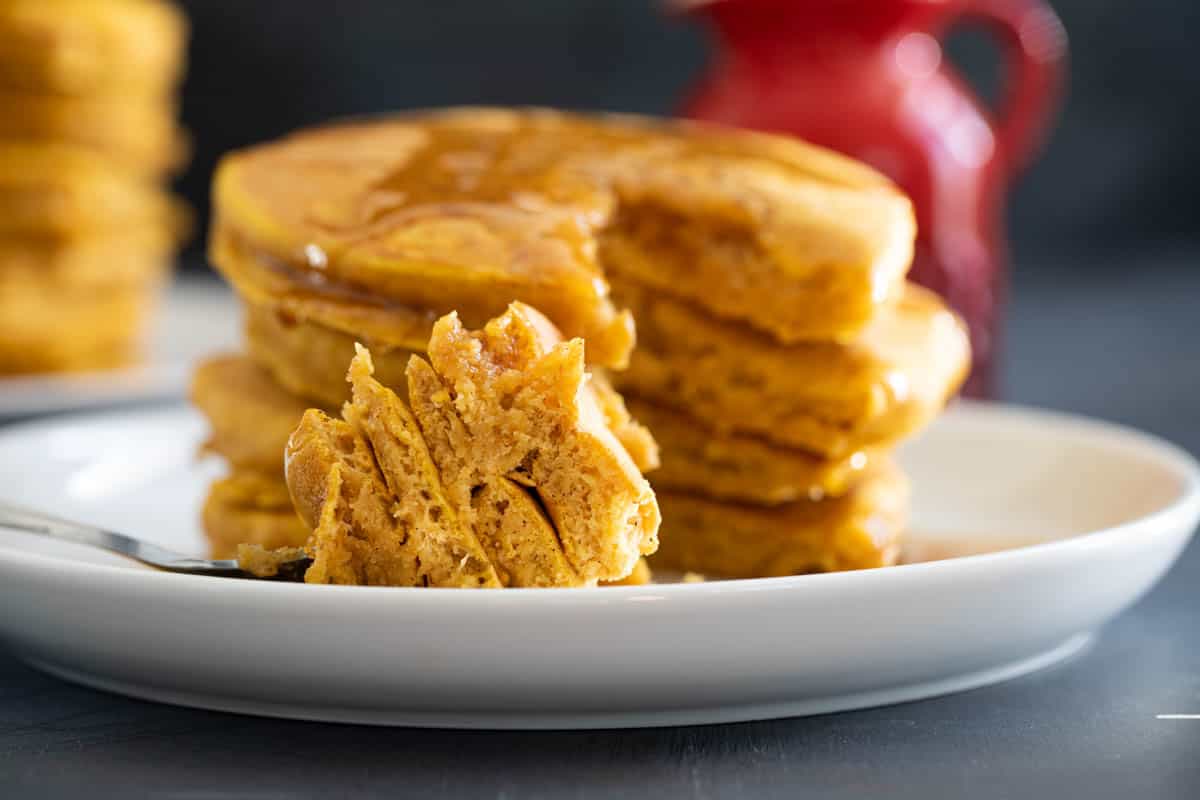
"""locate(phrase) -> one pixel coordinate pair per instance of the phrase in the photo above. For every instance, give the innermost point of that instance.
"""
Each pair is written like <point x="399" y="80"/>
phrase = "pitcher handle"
<point x="1035" y="50"/>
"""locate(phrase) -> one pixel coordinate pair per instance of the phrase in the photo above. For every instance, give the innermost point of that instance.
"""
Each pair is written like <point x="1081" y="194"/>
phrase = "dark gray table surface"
<point x="1122" y="343"/>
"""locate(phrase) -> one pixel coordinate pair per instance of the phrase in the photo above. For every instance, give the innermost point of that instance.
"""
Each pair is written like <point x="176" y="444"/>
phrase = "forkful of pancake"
<point x="500" y="470"/>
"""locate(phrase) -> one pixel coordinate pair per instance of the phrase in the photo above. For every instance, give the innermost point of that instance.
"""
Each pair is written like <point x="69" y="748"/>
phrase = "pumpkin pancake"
<point x="250" y="417"/>
<point x="250" y="508"/>
<point x="501" y="426"/>
<point x="858" y="530"/>
<point x="53" y="265"/>
<point x="44" y="331"/>
<point x="309" y="360"/>
<point x="370" y="492"/>
<point x="141" y="136"/>
<point x="829" y="398"/>
<point x="741" y="468"/>
<point x="57" y="189"/>
<point x="126" y="47"/>
<point x="470" y="209"/>
<point x="302" y="356"/>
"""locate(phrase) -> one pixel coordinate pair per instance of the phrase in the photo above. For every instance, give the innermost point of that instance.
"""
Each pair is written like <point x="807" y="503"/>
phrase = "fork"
<point x="150" y="554"/>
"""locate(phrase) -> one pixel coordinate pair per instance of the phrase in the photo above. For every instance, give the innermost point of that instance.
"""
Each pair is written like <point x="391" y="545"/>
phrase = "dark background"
<point x="1121" y="174"/>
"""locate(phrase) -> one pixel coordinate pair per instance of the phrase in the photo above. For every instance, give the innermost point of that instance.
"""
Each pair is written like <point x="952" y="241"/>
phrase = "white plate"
<point x="630" y="656"/>
<point x="198" y="317"/>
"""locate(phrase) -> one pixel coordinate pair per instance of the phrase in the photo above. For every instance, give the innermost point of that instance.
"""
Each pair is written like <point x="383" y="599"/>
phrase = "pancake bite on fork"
<point x="501" y="461"/>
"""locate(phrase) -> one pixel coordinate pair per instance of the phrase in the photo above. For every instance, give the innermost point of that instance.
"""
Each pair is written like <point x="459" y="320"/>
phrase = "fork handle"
<point x="55" y="528"/>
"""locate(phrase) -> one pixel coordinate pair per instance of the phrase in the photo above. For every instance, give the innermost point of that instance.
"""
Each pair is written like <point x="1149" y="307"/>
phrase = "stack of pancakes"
<point x="87" y="135"/>
<point x="313" y="234"/>
<point x="775" y="453"/>
<point x="779" y="355"/>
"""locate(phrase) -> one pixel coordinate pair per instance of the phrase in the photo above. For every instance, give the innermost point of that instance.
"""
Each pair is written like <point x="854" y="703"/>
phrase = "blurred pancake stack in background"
<point x="88" y="136"/>
<point x="780" y="354"/>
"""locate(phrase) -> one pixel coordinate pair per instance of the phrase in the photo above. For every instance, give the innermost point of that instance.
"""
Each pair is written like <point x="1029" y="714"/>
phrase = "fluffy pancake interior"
<point x="505" y="461"/>
<point x="523" y="398"/>
<point x="364" y="533"/>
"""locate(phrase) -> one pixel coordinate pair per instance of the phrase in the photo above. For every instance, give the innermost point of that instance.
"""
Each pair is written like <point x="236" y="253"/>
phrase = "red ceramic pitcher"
<point x="867" y="78"/>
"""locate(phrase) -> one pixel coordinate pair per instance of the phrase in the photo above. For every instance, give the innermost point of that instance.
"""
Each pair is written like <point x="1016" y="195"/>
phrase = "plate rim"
<point x="1183" y="508"/>
<point x="1055" y="654"/>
